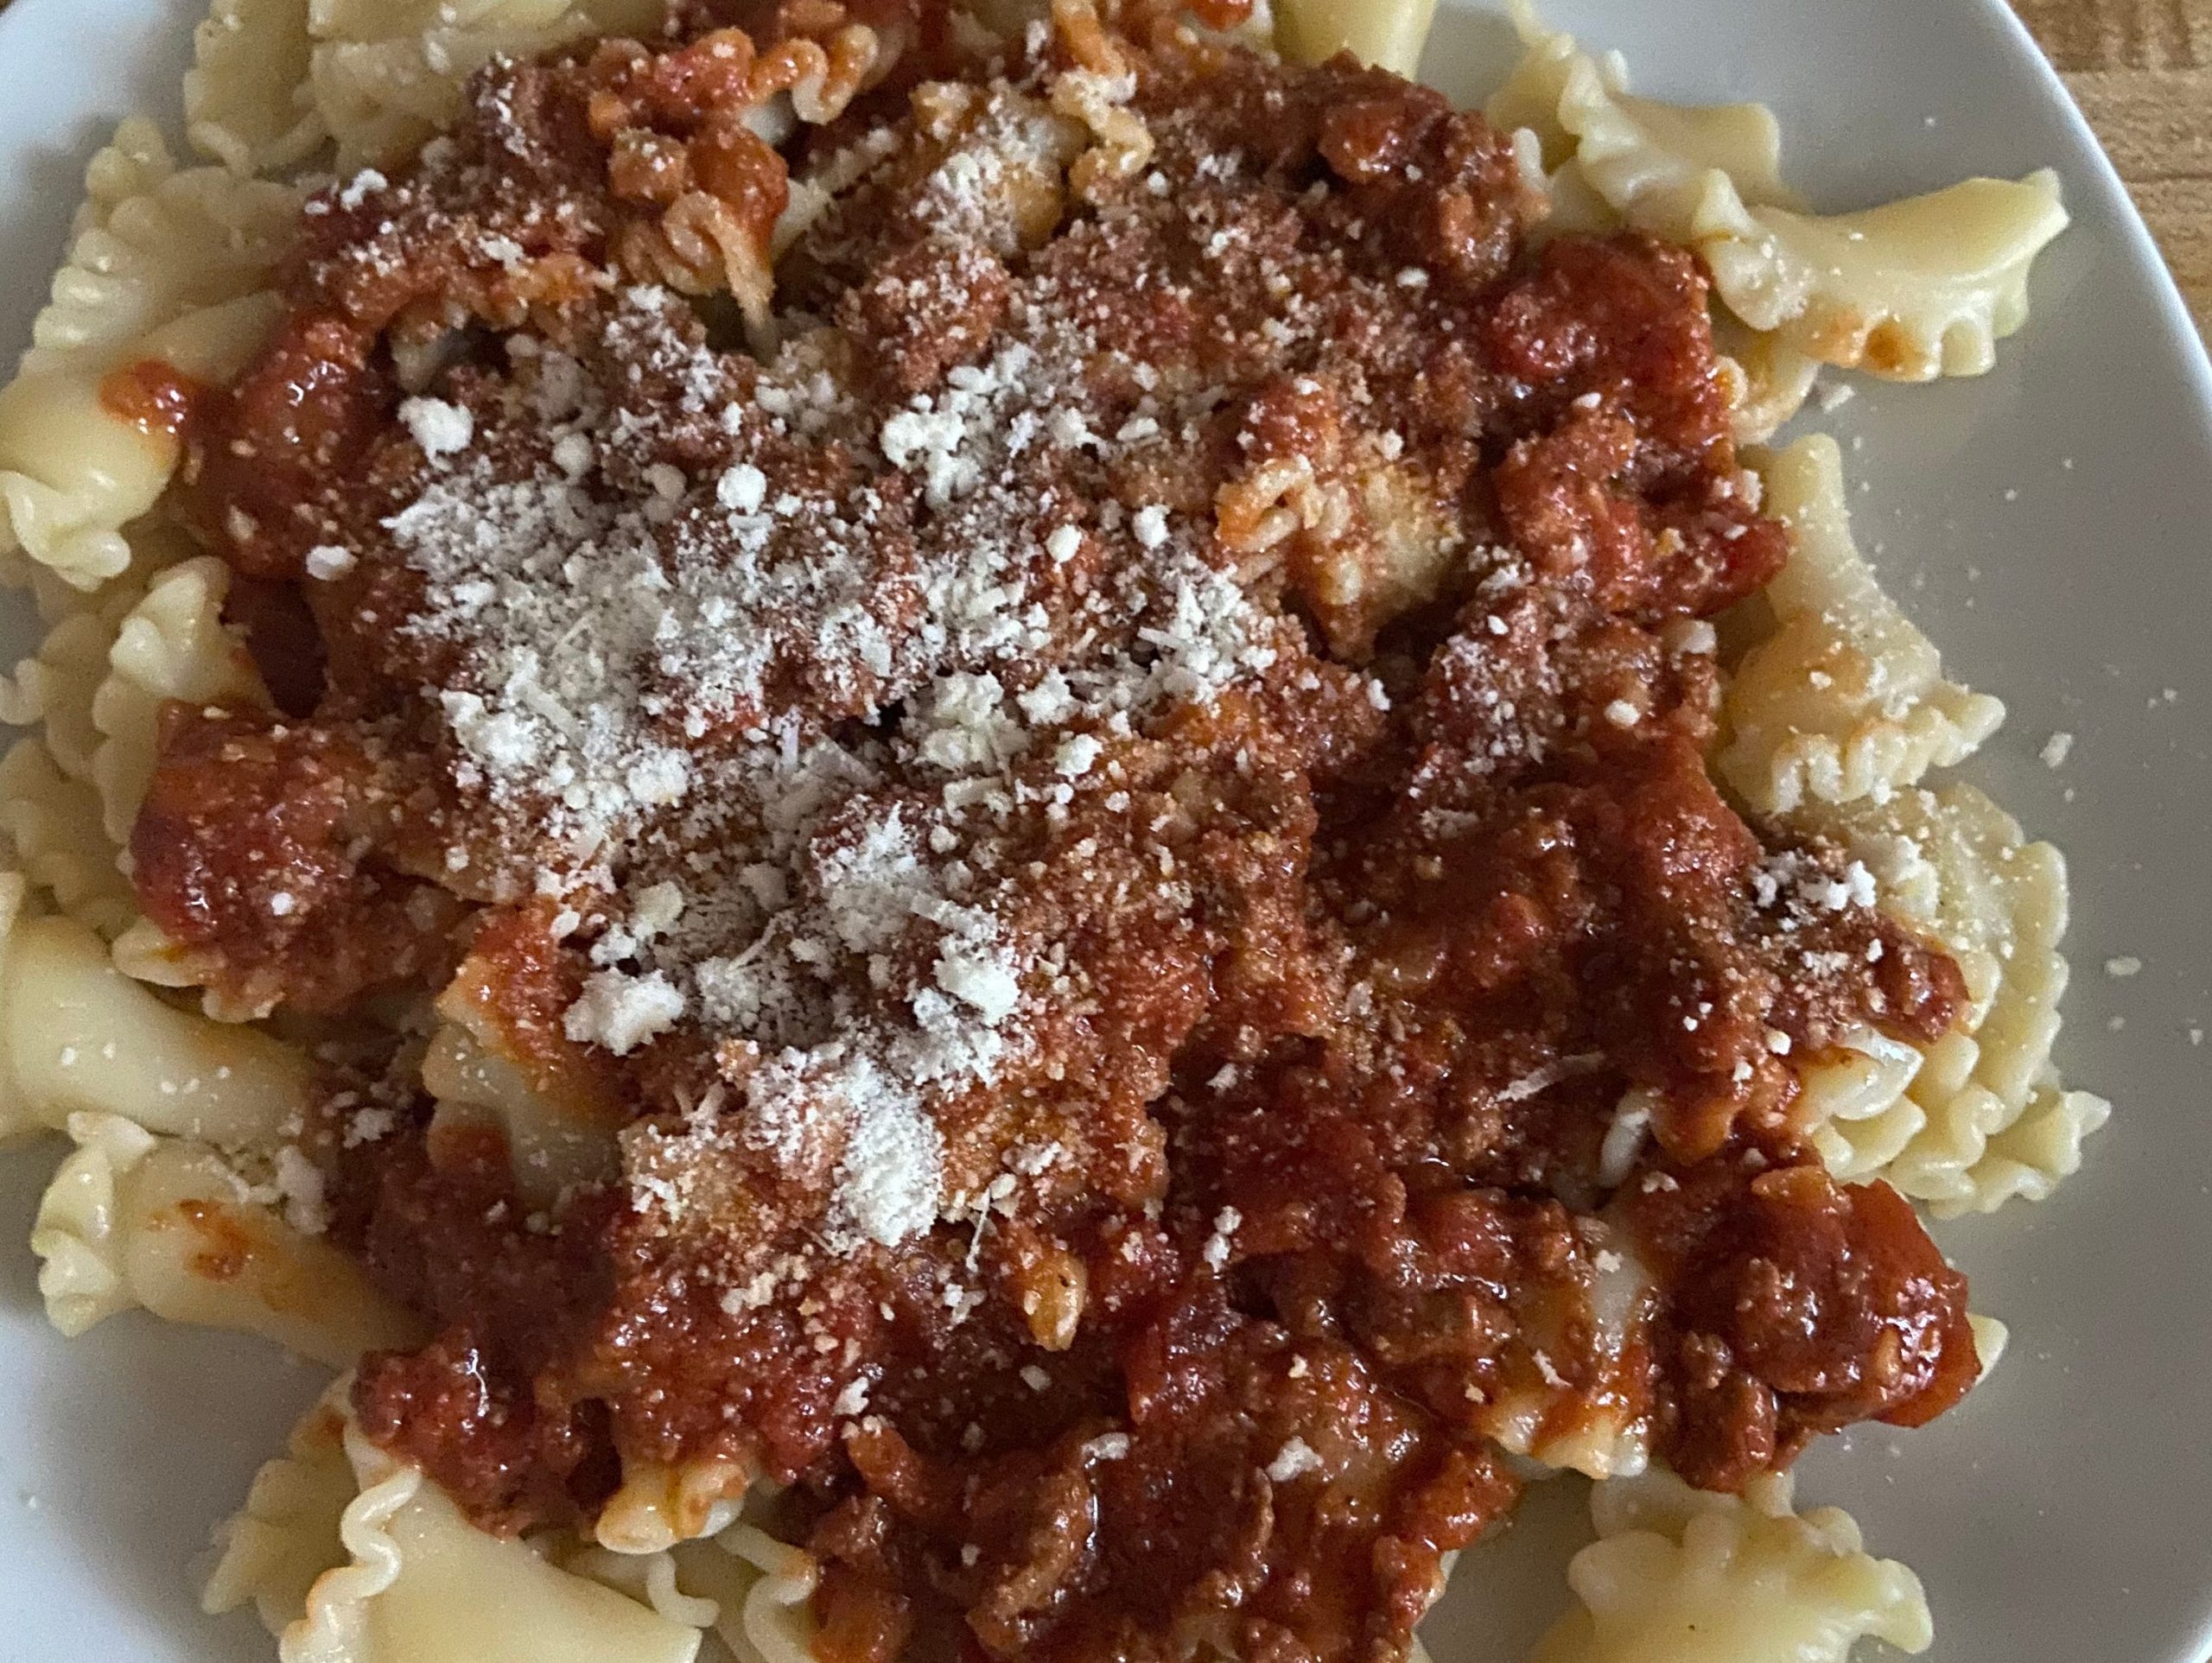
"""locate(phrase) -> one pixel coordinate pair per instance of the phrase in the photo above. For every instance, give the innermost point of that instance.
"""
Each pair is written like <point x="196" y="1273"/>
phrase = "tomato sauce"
<point x="1331" y="1163"/>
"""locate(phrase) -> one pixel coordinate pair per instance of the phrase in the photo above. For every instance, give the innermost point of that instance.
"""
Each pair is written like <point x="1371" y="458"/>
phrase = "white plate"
<point x="2052" y="523"/>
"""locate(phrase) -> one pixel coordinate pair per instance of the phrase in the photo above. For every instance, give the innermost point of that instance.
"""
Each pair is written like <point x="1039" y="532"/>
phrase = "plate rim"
<point x="2005" y="34"/>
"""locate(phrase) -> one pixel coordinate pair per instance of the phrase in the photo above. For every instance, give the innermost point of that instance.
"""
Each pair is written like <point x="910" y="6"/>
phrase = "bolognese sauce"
<point x="1082" y="830"/>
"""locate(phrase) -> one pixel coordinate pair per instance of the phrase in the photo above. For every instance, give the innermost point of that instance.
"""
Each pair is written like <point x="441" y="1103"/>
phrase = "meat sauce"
<point x="1376" y="944"/>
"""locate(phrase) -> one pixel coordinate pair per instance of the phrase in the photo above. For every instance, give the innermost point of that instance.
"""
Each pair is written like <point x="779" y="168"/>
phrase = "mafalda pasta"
<point x="1003" y="832"/>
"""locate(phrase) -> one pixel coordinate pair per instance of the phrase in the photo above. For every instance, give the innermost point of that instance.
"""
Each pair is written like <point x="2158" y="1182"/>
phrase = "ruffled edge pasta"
<point x="173" y="644"/>
<point x="1601" y="1428"/>
<point x="76" y="1034"/>
<point x="246" y="99"/>
<point x="68" y="797"/>
<point x="1855" y="1103"/>
<point x="1387" y="34"/>
<point x="187" y="242"/>
<point x="54" y="686"/>
<point x="17" y="1115"/>
<point x="1980" y="1116"/>
<point x="353" y="1556"/>
<point x="1846" y="698"/>
<point x="279" y="85"/>
<point x="54" y="824"/>
<point x="660" y="1504"/>
<point x="1742" y="140"/>
<point x="165" y="264"/>
<point x="766" y="1589"/>
<point x="752" y="1592"/>
<point x="1769" y="381"/>
<point x="286" y="1535"/>
<point x="1908" y="290"/>
<point x="133" y="1221"/>
<point x="1684" y="1575"/>
<point x="384" y="77"/>
<point x="551" y="1150"/>
<point x="333" y="1531"/>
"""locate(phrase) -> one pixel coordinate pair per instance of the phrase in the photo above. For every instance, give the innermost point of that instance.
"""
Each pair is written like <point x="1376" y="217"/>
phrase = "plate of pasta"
<point x="850" y="830"/>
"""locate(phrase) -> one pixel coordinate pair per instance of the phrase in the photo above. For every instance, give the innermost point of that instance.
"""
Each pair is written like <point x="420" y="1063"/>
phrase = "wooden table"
<point x="2142" y="72"/>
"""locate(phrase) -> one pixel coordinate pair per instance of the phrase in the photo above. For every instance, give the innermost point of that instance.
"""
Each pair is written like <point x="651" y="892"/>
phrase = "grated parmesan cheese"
<point x="1294" y="1460"/>
<point x="441" y="428"/>
<point x="622" y="1012"/>
<point x="300" y="1181"/>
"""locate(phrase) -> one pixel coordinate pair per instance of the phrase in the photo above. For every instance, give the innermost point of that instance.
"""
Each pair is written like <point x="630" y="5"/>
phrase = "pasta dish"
<point x="1003" y="833"/>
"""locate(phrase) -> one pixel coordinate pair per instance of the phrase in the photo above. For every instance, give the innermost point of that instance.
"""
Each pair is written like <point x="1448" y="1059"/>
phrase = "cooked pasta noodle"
<point x="1683" y="1576"/>
<point x="171" y="272"/>
<point x="178" y="249"/>
<point x="278" y="83"/>
<point x="1846" y="699"/>
<point x="1388" y="34"/>
<point x="132" y="1220"/>
<point x="352" y="1557"/>
<point x="1981" y="1118"/>
<point x="658" y="1505"/>
<point x="1096" y="93"/>
<point x="384" y="77"/>
<point x="773" y="1624"/>
<point x="1601" y="1428"/>
<point x="1911" y="289"/>
<point x="1856" y="1106"/>
<point x="247" y="101"/>
<point x="552" y="1149"/>
<point x="286" y="1535"/>
<point x="1774" y="378"/>
<point x="1991" y="1337"/>
<point x="1742" y="140"/>
<point x="172" y="644"/>
<point x="1364" y="540"/>
<point x="1529" y="99"/>
<point x="71" y="474"/>
<point x="144" y="953"/>
<point x="53" y="823"/>
<point x="55" y="684"/>
<point x="1908" y="290"/>
<point x="651" y="1579"/>
<point x="750" y="1592"/>
<point x="77" y="1035"/>
<point x="133" y="162"/>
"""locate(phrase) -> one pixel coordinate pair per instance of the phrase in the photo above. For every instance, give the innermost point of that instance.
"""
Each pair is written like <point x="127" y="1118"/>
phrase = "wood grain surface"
<point x="2142" y="72"/>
